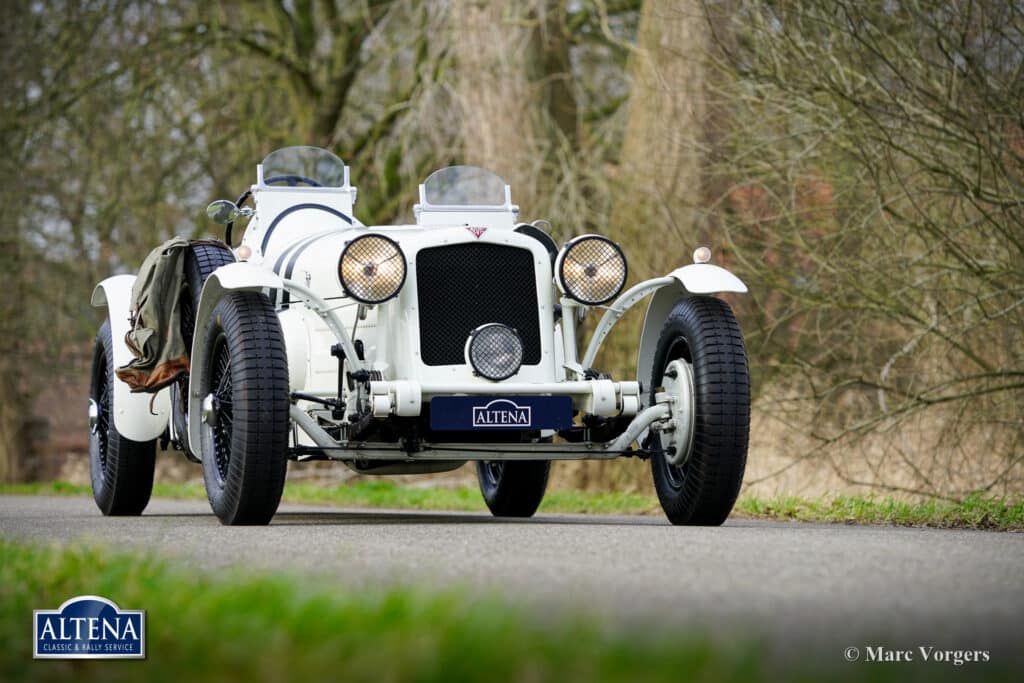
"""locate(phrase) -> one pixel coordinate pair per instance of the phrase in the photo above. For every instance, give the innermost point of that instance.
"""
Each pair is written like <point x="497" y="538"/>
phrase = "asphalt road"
<point x="822" y="587"/>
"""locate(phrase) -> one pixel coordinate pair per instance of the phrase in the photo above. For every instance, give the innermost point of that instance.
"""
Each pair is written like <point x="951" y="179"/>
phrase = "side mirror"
<point x="222" y="211"/>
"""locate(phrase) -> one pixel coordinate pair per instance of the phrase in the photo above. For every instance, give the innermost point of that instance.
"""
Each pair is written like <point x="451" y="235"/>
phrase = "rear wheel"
<point x="121" y="469"/>
<point x="513" y="488"/>
<point x="244" y="385"/>
<point x="700" y="356"/>
<point x="201" y="259"/>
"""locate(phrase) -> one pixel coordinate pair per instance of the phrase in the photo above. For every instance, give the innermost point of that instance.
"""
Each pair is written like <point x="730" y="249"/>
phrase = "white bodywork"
<point x="291" y="248"/>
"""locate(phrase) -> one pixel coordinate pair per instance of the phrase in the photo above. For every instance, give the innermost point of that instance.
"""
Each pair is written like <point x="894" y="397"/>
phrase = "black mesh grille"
<point x="464" y="286"/>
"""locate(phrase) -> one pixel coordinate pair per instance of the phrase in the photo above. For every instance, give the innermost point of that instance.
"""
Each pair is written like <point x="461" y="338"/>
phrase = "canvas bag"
<point x="161" y="355"/>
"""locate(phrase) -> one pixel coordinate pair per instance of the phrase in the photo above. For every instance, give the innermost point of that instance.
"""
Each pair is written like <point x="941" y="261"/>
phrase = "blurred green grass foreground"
<point x="239" y="627"/>
<point x="234" y="626"/>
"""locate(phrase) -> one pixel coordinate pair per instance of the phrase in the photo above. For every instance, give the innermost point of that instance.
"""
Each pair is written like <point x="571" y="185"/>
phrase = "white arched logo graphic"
<point x="89" y="627"/>
<point x="502" y="412"/>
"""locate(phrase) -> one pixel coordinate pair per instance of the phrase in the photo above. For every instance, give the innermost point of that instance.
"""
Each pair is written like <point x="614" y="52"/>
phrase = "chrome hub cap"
<point x="208" y="410"/>
<point x="94" y="416"/>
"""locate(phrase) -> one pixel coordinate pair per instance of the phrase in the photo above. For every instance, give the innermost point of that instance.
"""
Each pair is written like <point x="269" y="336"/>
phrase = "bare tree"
<point x="870" y="185"/>
<point x="124" y="118"/>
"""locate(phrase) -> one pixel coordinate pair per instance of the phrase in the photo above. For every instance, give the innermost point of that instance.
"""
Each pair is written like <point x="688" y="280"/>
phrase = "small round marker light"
<point x="244" y="252"/>
<point x="701" y="255"/>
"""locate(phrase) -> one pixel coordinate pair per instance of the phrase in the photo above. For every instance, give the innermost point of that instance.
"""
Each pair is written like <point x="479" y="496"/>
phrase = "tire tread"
<point x="124" y="485"/>
<point x="714" y="471"/>
<point x="519" y="490"/>
<point x="259" y="370"/>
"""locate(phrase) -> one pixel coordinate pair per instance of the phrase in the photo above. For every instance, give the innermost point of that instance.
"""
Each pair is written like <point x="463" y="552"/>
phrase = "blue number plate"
<point x="460" y="413"/>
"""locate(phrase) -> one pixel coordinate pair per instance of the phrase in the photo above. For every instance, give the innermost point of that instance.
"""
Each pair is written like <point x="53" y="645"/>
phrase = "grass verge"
<point x="233" y="626"/>
<point x="975" y="512"/>
<point x="382" y="493"/>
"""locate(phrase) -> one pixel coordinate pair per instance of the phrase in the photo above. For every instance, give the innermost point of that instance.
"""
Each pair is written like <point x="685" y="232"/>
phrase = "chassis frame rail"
<point x="620" y="446"/>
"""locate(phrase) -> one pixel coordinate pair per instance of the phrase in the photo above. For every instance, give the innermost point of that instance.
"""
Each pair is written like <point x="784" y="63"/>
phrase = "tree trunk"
<point x="11" y="420"/>
<point x="552" y="70"/>
<point x="13" y="402"/>
<point x="499" y="123"/>
<point x="657" y="213"/>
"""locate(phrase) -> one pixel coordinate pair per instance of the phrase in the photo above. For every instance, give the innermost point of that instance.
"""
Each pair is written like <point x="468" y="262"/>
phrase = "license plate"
<point x="462" y="413"/>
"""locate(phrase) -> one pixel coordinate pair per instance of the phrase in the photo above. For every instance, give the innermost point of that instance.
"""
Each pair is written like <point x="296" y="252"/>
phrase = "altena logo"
<point x="89" y="627"/>
<point x="501" y="412"/>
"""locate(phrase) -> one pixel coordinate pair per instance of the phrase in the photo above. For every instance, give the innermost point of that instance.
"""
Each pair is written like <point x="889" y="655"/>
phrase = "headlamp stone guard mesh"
<point x="495" y="351"/>
<point x="593" y="270"/>
<point x="372" y="269"/>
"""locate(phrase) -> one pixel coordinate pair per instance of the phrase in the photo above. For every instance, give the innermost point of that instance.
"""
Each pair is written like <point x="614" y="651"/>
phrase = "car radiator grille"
<point x="464" y="286"/>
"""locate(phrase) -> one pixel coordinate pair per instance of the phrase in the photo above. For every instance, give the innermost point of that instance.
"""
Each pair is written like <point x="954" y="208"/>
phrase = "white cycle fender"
<point x="704" y="278"/>
<point x="698" y="278"/>
<point x="232" y="277"/>
<point x="133" y="418"/>
<point x="665" y="292"/>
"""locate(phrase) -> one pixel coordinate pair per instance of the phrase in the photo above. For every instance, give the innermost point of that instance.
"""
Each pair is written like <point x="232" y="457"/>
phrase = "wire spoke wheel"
<point x="121" y="469"/>
<point x="220" y="379"/>
<point x="676" y="475"/>
<point x="104" y="403"/>
<point x="201" y="260"/>
<point x="245" y="423"/>
<point x="491" y="471"/>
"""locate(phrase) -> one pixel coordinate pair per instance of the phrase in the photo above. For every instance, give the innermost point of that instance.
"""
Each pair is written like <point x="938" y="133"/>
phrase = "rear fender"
<point x="133" y="417"/>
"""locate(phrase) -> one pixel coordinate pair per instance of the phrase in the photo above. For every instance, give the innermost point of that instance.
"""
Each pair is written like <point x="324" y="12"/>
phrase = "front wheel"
<point x="513" y="488"/>
<point x="121" y="469"/>
<point x="244" y="385"/>
<point x="700" y="360"/>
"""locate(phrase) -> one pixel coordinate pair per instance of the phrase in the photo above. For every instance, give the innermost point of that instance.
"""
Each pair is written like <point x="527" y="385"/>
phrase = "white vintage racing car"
<point x="403" y="349"/>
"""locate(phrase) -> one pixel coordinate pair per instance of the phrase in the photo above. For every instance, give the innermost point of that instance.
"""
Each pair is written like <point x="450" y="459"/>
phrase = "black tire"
<point x="121" y="469"/>
<point x="702" y="491"/>
<point x="513" y="488"/>
<point x="245" y="450"/>
<point x="201" y="259"/>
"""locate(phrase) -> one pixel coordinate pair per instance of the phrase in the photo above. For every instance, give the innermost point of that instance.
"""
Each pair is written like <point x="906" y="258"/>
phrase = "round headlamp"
<point x="372" y="269"/>
<point x="495" y="351"/>
<point x="591" y="269"/>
